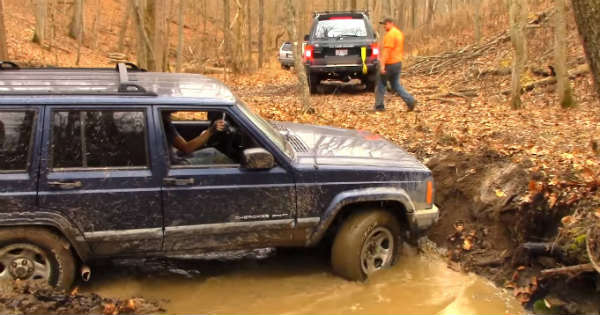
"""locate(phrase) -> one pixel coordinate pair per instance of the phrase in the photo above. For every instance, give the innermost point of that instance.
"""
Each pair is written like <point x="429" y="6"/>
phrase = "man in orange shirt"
<point x="391" y="66"/>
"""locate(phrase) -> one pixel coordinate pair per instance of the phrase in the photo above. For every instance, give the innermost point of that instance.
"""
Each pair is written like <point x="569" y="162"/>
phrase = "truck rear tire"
<point x="32" y="253"/>
<point x="313" y="83"/>
<point x="367" y="241"/>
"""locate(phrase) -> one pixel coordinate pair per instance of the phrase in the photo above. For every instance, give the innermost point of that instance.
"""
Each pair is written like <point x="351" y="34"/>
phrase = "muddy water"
<point x="298" y="283"/>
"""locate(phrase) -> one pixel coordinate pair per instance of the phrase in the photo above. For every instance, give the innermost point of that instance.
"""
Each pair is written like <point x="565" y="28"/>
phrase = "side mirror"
<point x="306" y="38"/>
<point x="257" y="159"/>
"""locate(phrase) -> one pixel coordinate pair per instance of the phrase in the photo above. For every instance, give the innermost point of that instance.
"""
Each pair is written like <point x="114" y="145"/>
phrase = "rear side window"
<point x="16" y="129"/>
<point x="287" y="47"/>
<point x="99" y="139"/>
<point x="336" y="28"/>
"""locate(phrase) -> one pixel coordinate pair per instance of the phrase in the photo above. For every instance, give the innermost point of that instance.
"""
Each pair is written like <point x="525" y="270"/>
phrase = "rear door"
<point x="19" y="157"/>
<point x="96" y="170"/>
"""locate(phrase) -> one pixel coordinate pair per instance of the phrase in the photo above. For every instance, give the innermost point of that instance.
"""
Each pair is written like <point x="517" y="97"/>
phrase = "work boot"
<point x="412" y="106"/>
<point x="379" y="108"/>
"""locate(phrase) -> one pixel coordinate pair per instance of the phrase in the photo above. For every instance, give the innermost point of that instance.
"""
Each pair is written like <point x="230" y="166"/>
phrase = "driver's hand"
<point x="219" y="125"/>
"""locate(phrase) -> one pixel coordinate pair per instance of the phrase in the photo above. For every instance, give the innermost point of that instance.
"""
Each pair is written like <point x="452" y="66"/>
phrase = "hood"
<point x="334" y="146"/>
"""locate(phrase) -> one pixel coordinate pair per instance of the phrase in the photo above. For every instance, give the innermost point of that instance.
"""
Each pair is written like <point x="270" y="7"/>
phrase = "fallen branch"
<point x="580" y="70"/>
<point x="568" y="270"/>
<point x="446" y="100"/>
<point x="435" y="64"/>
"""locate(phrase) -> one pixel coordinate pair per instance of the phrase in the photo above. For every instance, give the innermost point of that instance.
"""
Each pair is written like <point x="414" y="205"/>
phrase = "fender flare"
<point x="50" y="219"/>
<point x="349" y="197"/>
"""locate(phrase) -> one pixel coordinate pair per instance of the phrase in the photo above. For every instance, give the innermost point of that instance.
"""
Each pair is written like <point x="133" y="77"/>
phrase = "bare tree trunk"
<point x="238" y="24"/>
<point x="160" y="40"/>
<point x="76" y="20"/>
<point x="3" y="43"/>
<point x="41" y="13"/>
<point x="400" y="14"/>
<point x="180" y="22"/>
<point x="127" y="8"/>
<point x="79" y="43"/>
<point x="477" y="19"/>
<point x="96" y="22"/>
<point x="227" y="36"/>
<point x="588" y="23"/>
<point x="563" y="87"/>
<point x="414" y="14"/>
<point x="145" y="49"/>
<point x="298" y="65"/>
<point x="518" y="19"/>
<point x="248" y="65"/>
<point x="261" y="32"/>
<point x="431" y="10"/>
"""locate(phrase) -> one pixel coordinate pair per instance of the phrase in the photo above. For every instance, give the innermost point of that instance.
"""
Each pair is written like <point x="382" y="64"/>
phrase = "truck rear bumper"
<point x="421" y="220"/>
<point x="340" y="69"/>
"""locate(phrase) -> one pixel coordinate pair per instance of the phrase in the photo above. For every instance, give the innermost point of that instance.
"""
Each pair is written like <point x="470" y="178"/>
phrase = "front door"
<point x="96" y="170"/>
<point x="210" y="201"/>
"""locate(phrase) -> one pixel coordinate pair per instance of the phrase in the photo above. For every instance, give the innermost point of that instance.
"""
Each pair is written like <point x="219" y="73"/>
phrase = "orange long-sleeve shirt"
<point x="393" y="46"/>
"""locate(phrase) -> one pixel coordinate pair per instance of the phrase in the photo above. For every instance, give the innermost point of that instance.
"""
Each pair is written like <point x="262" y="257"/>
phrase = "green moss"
<point x="580" y="240"/>
<point x="539" y="307"/>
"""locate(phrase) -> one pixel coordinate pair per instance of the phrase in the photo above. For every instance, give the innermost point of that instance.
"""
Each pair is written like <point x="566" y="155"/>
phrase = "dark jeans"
<point x="392" y="74"/>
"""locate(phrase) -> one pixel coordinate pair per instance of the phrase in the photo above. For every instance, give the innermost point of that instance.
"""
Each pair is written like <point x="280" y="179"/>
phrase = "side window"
<point x="99" y="139"/>
<point x="16" y="129"/>
<point x="204" y="138"/>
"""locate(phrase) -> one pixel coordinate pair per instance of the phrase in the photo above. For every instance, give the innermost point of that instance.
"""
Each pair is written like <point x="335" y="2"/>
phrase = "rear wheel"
<point x="313" y="83"/>
<point x="36" y="254"/>
<point x="367" y="242"/>
<point x="370" y="85"/>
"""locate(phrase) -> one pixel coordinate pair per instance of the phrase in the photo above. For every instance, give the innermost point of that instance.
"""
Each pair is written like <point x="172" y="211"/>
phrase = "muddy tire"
<point x="313" y="83"/>
<point x="366" y="242"/>
<point x="31" y="253"/>
<point x="370" y="85"/>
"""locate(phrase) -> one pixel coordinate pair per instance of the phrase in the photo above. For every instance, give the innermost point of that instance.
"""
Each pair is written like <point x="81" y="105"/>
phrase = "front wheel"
<point x="367" y="242"/>
<point x="36" y="254"/>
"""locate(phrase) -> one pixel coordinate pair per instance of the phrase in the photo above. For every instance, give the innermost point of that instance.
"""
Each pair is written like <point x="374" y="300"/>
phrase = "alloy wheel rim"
<point x="24" y="262"/>
<point x="377" y="251"/>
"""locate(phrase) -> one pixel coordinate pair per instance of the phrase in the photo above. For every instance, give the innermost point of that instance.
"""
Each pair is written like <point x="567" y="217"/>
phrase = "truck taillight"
<point x="374" y="50"/>
<point x="309" y="53"/>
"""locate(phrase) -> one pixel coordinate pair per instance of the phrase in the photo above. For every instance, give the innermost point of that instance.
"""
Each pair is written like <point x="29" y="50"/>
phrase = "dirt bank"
<point x="34" y="297"/>
<point x="489" y="209"/>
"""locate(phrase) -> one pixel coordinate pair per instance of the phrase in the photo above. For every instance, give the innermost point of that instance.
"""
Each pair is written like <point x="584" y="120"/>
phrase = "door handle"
<point x="66" y="185"/>
<point x="178" y="181"/>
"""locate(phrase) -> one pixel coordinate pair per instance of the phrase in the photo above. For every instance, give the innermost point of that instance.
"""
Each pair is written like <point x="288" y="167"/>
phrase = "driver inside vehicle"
<point x="200" y="149"/>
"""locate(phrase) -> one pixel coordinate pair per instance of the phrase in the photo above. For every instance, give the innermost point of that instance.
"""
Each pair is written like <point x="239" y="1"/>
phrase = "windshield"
<point x="340" y="28"/>
<point x="268" y="130"/>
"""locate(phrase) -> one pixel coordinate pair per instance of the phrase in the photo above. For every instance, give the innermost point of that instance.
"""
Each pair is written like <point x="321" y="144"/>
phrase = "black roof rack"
<point x="125" y="86"/>
<point x="317" y="13"/>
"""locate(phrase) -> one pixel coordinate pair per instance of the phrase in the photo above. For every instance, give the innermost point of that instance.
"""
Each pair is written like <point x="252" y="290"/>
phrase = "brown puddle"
<point x="299" y="283"/>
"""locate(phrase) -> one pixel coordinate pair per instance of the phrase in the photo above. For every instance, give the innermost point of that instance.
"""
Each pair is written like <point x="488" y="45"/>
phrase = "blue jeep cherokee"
<point x="88" y="172"/>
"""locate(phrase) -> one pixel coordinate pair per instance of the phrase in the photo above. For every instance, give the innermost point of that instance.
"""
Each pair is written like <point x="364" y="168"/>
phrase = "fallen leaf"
<point x="552" y="200"/>
<point x="467" y="245"/>
<point x="567" y="220"/>
<point x="500" y="193"/>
